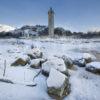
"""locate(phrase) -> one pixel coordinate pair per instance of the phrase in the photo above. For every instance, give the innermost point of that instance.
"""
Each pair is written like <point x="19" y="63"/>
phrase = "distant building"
<point x="51" y="22"/>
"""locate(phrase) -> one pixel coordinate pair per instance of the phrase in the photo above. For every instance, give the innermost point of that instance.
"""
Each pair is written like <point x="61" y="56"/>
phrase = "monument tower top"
<point x="51" y="10"/>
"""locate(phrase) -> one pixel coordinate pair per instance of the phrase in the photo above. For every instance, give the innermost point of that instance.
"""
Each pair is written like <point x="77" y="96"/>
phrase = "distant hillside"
<point x="6" y="28"/>
<point x="41" y="30"/>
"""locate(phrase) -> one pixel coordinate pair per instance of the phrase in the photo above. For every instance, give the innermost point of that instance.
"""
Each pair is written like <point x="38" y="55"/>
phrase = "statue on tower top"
<point x="50" y="10"/>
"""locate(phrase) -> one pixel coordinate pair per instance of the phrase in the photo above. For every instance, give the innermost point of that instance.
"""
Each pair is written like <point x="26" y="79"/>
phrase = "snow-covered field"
<point x="84" y="85"/>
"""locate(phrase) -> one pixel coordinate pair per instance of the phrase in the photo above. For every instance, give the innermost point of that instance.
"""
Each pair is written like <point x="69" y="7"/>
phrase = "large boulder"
<point x="58" y="84"/>
<point x="35" y="53"/>
<point x="93" y="67"/>
<point x="88" y="57"/>
<point x="37" y="63"/>
<point x="54" y="63"/>
<point x="21" y="61"/>
<point x="68" y="62"/>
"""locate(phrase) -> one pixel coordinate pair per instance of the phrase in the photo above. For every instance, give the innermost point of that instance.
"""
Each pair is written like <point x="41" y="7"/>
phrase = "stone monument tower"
<point x="51" y="22"/>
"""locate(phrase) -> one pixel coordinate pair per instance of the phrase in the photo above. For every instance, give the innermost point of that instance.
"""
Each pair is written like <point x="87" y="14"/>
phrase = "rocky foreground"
<point x="58" y="76"/>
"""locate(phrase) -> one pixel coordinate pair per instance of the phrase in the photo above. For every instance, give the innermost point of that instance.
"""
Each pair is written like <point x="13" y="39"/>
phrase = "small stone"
<point x="35" y="53"/>
<point x="68" y="62"/>
<point x="21" y="61"/>
<point x="93" y="67"/>
<point x="88" y="57"/>
<point x="80" y="62"/>
<point x="37" y="63"/>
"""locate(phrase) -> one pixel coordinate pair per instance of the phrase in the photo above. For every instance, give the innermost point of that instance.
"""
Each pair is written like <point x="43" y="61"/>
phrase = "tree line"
<point x="58" y="31"/>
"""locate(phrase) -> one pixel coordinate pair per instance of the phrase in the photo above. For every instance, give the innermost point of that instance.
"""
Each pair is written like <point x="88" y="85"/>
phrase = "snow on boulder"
<point x="93" y="67"/>
<point x="58" y="84"/>
<point x="80" y="62"/>
<point x="21" y="61"/>
<point x="37" y="63"/>
<point x="35" y="53"/>
<point x="88" y="57"/>
<point x="54" y="63"/>
<point x="68" y="62"/>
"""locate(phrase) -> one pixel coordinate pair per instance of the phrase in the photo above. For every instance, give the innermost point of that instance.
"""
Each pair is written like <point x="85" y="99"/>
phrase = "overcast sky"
<point x="76" y="15"/>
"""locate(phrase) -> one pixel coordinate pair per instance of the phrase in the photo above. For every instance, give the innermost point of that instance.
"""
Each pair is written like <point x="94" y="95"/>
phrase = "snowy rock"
<point x="21" y="61"/>
<point x="88" y="57"/>
<point x="54" y="63"/>
<point x="68" y="62"/>
<point x="43" y="60"/>
<point x="80" y="62"/>
<point x="35" y="53"/>
<point x="93" y="67"/>
<point x="37" y="63"/>
<point x="58" y="84"/>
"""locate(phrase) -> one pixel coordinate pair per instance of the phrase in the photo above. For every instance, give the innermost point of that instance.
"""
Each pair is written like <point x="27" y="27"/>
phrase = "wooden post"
<point x="24" y="75"/>
<point x="4" y="68"/>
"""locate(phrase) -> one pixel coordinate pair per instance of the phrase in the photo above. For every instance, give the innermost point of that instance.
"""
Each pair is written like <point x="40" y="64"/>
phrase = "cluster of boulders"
<point x="34" y="58"/>
<point x="57" y="69"/>
<point x="88" y="61"/>
<point x="57" y="77"/>
<point x="86" y="58"/>
<point x="54" y="69"/>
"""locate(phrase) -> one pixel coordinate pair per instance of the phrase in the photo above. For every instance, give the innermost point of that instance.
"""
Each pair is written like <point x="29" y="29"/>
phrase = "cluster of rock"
<point x="57" y="77"/>
<point x="34" y="58"/>
<point x="57" y="69"/>
<point x="54" y="69"/>
<point x="88" y="61"/>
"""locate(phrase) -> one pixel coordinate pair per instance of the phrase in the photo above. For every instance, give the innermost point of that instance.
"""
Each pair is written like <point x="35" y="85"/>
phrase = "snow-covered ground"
<point x="84" y="85"/>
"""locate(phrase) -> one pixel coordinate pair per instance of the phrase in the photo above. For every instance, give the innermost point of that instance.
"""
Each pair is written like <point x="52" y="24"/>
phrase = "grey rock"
<point x="20" y="61"/>
<point x="37" y="63"/>
<point x="63" y="89"/>
<point x="54" y="63"/>
<point x="80" y="62"/>
<point x="68" y="62"/>
<point x="93" y="67"/>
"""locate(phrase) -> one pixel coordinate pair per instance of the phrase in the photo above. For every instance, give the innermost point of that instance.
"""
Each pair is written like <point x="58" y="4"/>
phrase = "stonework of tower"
<point x="51" y="22"/>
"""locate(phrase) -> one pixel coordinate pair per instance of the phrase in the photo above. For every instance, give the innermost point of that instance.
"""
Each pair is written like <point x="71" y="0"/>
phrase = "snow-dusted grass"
<point x="84" y="85"/>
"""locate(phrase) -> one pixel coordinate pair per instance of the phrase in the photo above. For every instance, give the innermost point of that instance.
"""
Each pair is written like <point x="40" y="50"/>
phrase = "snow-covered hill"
<point x="24" y="31"/>
<point x="6" y="28"/>
<point x="28" y="30"/>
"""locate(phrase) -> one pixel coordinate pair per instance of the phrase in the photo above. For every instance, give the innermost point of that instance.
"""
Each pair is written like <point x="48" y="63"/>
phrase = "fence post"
<point x="4" y="68"/>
